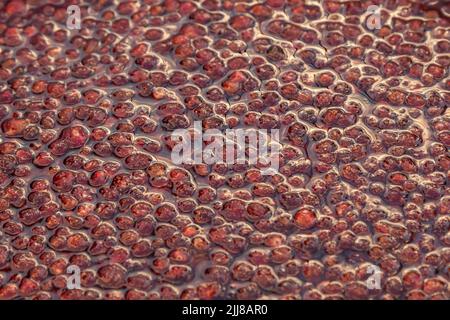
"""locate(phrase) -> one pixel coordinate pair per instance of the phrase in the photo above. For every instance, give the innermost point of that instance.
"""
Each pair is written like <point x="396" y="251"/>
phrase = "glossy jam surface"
<point x="87" y="180"/>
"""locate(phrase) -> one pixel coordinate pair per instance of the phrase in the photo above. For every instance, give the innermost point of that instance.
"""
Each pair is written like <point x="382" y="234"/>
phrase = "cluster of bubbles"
<point x="86" y="178"/>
